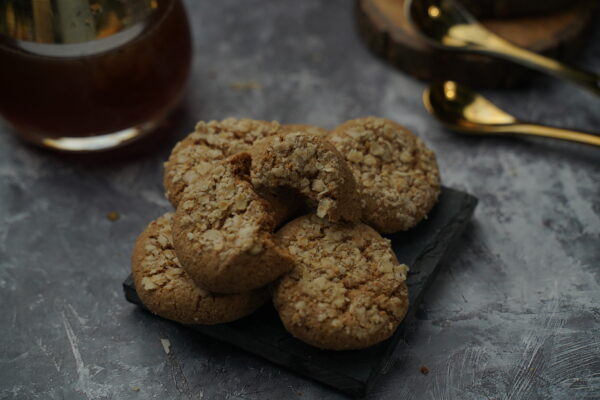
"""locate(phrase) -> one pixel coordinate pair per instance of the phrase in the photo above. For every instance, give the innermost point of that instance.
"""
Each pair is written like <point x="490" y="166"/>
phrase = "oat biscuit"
<point x="167" y="290"/>
<point x="222" y="231"/>
<point x="210" y="142"/>
<point x="312" y="166"/>
<point x="347" y="289"/>
<point x="397" y="175"/>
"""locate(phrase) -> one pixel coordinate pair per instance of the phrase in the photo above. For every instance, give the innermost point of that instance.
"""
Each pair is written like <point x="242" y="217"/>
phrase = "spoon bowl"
<point x="463" y="110"/>
<point x="459" y="107"/>
<point x="446" y="24"/>
<point x="438" y="20"/>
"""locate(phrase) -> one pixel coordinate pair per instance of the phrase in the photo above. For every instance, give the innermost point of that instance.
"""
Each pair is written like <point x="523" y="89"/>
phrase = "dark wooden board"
<point x="352" y="372"/>
<point x="514" y="8"/>
<point x="386" y="30"/>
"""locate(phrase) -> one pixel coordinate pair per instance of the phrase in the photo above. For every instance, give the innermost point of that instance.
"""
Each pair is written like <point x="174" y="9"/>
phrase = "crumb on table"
<point x="245" y="85"/>
<point x="113" y="216"/>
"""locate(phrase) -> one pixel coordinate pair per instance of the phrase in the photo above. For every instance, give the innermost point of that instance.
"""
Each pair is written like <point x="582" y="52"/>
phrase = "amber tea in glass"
<point x="89" y="75"/>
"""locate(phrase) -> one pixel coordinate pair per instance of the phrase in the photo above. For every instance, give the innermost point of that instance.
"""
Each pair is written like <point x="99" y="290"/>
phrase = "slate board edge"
<point x="454" y="229"/>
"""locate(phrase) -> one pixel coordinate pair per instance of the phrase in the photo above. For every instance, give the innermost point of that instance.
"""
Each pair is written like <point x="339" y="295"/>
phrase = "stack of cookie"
<point x="292" y="212"/>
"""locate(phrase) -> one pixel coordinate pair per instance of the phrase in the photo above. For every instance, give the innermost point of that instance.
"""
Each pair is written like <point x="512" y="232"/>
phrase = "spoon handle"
<point x="502" y="48"/>
<point x="552" y="132"/>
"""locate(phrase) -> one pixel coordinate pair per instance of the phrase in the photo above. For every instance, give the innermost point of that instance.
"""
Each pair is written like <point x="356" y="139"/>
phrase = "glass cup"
<point x="91" y="75"/>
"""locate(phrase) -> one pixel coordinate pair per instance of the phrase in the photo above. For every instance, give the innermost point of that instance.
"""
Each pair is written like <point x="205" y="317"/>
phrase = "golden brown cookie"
<point x="347" y="289"/>
<point x="397" y="174"/>
<point x="167" y="290"/>
<point x="310" y="165"/>
<point x="210" y="142"/>
<point x="222" y="231"/>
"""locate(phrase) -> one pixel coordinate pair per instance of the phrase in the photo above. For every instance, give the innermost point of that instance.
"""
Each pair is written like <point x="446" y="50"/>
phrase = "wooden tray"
<point x="388" y="33"/>
<point x="514" y="8"/>
<point x="352" y="372"/>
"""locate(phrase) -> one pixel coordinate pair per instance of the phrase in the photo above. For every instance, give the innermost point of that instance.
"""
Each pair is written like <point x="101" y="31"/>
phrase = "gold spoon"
<point x="463" y="110"/>
<point x="446" y="24"/>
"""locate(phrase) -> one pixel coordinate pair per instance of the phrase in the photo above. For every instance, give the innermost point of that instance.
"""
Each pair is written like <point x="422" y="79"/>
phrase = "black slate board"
<point x="352" y="372"/>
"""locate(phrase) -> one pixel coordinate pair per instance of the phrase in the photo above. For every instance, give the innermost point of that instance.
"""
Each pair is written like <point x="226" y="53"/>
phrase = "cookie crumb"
<point x="166" y="344"/>
<point x="245" y="86"/>
<point x="135" y="388"/>
<point x="424" y="370"/>
<point x="113" y="216"/>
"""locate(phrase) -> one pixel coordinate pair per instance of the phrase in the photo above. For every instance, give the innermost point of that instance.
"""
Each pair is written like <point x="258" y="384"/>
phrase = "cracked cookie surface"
<point x="211" y="142"/>
<point x="167" y="290"/>
<point x="223" y="231"/>
<point x="310" y="165"/>
<point x="397" y="175"/>
<point x="346" y="290"/>
<point x="305" y="128"/>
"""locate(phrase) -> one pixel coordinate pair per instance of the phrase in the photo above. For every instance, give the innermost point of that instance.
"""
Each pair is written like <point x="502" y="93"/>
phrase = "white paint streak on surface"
<point x="582" y="209"/>
<point x="81" y="320"/>
<point x="91" y="389"/>
<point x="166" y="344"/>
<point x="533" y="360"/>
<point x="16" y="358"/>
<point x="155" y="198"/>
<point x="47" y="353"/>
<point x="83" y="373"/>
<point x="575" y="362"/>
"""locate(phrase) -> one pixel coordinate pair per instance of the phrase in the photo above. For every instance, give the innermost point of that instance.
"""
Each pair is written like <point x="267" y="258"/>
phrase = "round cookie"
<point x="347" y="289"/>
<point x="222" y="231"/>
<point x="167" y="290"/>
<point x="397" y="175"/>
<point x="210" y="142"/>
<point x="310" y="165"/>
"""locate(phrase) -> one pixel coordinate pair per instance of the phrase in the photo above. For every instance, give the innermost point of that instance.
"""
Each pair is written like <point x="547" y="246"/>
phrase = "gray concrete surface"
<point x="515" y="314"/>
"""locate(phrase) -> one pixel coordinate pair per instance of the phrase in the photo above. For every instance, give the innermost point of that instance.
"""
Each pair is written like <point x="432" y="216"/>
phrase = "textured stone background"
<point x="514" y="315"/>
